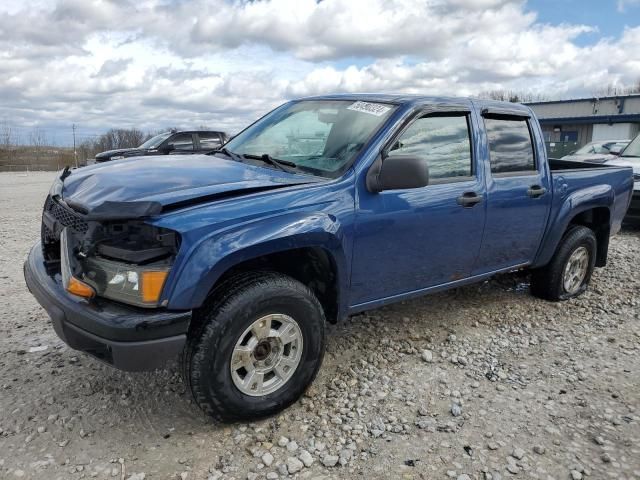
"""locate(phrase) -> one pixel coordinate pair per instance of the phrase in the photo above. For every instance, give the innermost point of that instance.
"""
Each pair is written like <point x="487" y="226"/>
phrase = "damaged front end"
<point x="105" y="255"/>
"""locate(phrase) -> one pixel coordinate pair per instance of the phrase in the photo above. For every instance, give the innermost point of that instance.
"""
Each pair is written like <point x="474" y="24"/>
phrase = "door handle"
<point x="469" y="199"/>
<point x="536" y="191"/>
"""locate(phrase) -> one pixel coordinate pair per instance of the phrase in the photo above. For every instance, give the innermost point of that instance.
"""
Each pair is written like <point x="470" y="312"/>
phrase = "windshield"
<point x="154" y="142"/>
<point x="594" y="148"/>
<point x="633" y="149"/>
<point x="321" y="137"/>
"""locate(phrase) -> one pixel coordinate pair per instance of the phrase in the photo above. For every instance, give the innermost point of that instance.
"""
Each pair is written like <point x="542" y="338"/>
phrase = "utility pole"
<point x="75" y="155"/>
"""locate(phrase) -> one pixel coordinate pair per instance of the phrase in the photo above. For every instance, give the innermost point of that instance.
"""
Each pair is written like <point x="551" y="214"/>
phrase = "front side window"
<point x="182" y="142"/>
<point x="510" y="146"/>
<point x="443" y="142"/>
<point x="321" y="137"/>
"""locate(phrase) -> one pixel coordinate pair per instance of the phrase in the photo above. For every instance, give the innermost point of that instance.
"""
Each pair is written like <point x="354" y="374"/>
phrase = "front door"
<point x="408" y="240"/>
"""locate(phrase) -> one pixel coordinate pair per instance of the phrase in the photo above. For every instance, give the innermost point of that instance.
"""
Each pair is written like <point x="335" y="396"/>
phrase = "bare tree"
<point x="120" y="138"/>
<point x="6" y="135"/>
<point x="38" y="140"/>
<point x="614" y="90"/>
<point x="513" y="96"/>
<point x="6" y="141"/>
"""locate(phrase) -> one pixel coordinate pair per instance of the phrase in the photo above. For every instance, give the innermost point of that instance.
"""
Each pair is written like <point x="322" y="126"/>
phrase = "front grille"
<point x="66" y="216"/>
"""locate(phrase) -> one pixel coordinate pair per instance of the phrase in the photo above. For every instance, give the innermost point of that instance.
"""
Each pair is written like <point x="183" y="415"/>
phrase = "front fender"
<point x="574" y="204"/>
<point x="215" y="254"/>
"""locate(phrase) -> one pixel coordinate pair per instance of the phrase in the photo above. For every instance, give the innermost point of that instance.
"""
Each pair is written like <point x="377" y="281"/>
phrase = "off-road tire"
<point x="547" y="282"/>
<point x="230" y="309"/>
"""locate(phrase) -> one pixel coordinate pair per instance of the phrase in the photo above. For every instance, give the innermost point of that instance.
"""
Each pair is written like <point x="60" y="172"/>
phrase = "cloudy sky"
<point x="156" y="63"/>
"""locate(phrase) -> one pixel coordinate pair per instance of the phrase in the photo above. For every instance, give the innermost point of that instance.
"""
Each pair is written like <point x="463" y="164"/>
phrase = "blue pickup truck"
<point x="325" y="207"/>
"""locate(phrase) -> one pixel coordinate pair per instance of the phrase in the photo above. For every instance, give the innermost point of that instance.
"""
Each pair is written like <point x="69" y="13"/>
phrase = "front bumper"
<point x="633" y="214"/>
<point x="128" y="338"/>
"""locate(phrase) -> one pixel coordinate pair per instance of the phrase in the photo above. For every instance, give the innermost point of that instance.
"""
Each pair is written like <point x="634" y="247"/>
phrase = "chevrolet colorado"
<point x="325" y="207"/>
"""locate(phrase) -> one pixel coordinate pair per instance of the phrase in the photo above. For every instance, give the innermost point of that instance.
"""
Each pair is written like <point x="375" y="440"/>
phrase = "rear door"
<point x="517" y="188"/>
<point x="408" y="240"/>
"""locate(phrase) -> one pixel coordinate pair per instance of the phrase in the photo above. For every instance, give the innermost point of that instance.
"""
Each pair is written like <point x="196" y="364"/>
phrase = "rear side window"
<point x="209" y="140"/>
<point x="510" y="146"/>
<point x="443" y="142"/>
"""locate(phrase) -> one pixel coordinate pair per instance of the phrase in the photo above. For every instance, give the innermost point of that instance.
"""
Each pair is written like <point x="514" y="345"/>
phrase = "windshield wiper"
<point x="276" y="162"/>
<point x="224" y="150"/>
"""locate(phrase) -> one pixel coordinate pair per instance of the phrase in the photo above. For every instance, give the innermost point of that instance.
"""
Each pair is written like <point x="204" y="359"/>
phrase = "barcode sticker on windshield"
<point x="371" y="108"/>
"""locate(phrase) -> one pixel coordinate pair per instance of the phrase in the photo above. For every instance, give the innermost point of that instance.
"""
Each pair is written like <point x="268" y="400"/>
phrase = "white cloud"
<point x="102" y="63"/>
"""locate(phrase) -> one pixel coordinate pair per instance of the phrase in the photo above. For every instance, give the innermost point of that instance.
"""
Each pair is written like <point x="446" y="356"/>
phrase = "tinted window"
<point x="442" y="141"/>
<point x="182" y="141"/>
<point x="510" y="146"/>
<point x="209" y="140"/>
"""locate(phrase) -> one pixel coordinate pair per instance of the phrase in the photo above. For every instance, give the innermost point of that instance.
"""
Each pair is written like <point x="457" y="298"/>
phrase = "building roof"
<point x="623" y="108"/>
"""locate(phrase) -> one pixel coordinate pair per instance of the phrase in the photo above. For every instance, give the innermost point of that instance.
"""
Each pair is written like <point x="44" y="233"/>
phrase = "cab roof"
<point x="419" y="100"/>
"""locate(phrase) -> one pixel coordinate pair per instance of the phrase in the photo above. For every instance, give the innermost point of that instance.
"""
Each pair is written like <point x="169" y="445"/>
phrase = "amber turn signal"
<point x="79" y="288"/>
<point x="152" y="283"/>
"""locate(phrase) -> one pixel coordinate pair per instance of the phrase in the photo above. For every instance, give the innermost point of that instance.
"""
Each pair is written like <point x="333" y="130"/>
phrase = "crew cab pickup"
<point x="325" y="207"/>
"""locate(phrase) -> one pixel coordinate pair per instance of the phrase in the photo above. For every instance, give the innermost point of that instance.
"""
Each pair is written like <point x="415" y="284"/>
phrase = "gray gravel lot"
<point x="482" y="382"/>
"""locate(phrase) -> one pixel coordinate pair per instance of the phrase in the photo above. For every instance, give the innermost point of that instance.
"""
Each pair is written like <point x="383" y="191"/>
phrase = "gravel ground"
<point x="482" y="382"/>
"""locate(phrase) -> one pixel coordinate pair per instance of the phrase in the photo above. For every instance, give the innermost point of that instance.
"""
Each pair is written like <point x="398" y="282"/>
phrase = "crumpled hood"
<point x="122" y="188"/>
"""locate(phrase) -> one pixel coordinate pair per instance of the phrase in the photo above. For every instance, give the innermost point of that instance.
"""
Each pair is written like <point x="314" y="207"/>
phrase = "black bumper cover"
<point x="127" y="338"/>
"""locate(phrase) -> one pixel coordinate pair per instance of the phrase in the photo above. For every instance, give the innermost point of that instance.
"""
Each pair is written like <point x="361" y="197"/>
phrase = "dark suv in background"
<point x="174" y="142"/>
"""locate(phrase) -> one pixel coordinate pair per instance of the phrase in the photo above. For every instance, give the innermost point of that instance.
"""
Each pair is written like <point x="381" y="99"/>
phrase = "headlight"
<point x="124" y="282"/>
<point x="130" y="262"/>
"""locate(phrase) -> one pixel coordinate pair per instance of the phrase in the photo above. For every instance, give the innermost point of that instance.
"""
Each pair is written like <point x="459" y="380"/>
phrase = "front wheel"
<point x="259" y="345"/>
<point x="568" y="273"/>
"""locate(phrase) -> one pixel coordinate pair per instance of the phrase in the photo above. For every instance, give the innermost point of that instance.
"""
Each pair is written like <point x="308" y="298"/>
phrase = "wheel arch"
<point x="307" y="247"/>
<point x="589" y="207"/>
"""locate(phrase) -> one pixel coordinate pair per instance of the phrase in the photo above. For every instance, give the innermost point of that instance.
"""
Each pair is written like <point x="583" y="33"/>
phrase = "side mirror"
<point x="168" y="148"/>
<point x="397" y="172"/>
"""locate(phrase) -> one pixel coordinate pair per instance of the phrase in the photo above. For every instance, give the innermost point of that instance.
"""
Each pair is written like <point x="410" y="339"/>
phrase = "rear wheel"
<point x="259" y="345"/>
<point x="568" y="273"/>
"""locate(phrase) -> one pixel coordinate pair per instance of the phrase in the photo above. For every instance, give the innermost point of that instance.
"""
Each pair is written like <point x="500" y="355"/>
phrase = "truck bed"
<point x="556" y="164"/>
<point x="572" y="181"/>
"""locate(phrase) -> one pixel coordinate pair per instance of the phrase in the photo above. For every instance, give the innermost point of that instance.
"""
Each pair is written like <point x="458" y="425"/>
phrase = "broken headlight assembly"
<point x="128" y="262"/>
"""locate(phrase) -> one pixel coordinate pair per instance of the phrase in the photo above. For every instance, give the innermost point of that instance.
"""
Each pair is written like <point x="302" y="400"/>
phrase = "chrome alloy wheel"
<point x="575" y="270"/>
<point x="266" y="355"/>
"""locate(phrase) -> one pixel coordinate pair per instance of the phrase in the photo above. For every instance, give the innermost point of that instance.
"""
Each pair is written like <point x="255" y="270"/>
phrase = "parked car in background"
<point x="599" y="150"/>
<point x="630" y="157"/>
<point x="174" y="142"/>
<point x="325" y="207"/>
